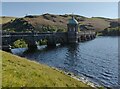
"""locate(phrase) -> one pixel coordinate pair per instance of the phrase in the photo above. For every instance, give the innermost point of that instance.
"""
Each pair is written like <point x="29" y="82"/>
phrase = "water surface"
<point x="97" y="60"/>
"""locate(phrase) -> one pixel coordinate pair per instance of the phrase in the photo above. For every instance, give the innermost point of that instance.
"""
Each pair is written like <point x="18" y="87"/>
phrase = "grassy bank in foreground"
<point x="20" y="72"/>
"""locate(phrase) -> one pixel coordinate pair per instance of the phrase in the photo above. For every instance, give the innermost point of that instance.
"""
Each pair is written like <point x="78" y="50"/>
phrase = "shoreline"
<point x="77" y="77"/>
<point x="72" y="75"/>
<point x="18" y="63"/>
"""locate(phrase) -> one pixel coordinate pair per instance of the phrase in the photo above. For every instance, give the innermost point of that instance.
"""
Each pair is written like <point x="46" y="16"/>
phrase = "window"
<point x="74" y="29"/>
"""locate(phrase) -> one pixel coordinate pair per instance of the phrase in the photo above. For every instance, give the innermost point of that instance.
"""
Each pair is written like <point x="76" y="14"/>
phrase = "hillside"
<point x="50" y="22"/>
<point x="20" y="72"/>
<point x="5" y="19"/>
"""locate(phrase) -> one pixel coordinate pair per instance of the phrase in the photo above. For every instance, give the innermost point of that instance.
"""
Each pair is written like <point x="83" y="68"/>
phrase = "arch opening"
<point x="20" y="43"/>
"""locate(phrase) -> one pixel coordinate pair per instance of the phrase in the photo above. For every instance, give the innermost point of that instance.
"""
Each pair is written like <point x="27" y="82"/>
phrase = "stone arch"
<point x="51" y="41"/>
<point x="31" y="44"/>
<point x="79" y="39"/>
<point x="82" y="38"/>
<point x="61" y="41"/>
<point x="87" y="37"/>
<point x="91" y="37"/>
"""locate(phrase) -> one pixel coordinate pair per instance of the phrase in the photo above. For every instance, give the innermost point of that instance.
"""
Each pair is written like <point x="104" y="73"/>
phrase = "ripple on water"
<point x="97" y="59"/>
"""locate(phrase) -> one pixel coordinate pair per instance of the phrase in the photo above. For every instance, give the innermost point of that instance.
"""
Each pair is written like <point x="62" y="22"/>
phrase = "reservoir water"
<point x="96" y="60"/>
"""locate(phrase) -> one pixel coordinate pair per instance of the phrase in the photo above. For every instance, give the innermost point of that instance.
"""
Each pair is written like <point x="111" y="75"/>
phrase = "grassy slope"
<point x="19" y="71"/>
<point x="51" y="21"/>
<point x="97" y="23"/>
<point x="4" y="20"/>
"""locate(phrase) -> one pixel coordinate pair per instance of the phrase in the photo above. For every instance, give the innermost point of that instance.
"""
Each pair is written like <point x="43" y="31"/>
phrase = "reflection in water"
<point x="71" y="57"/>
<point x="97" y="59"/>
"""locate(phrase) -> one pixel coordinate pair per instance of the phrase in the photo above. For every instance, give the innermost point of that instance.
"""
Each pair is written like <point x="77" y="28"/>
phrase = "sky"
<point x="88" y="9"/>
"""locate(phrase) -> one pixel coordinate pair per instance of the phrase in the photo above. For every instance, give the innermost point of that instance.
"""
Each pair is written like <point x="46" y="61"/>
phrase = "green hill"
<point x="51" y="22"/>
<point x="20" y="72"/>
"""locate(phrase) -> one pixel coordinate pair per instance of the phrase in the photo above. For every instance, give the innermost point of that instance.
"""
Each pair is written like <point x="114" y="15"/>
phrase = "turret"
<point x="72" y="30"/>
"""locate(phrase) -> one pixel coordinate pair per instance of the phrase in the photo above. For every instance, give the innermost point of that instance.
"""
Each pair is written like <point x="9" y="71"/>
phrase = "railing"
<point x="29" y="33"/>
<point x="44" y="33"/>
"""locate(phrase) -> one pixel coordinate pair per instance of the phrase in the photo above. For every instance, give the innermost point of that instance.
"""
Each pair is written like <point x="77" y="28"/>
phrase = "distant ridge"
<point x="51" y="22"/>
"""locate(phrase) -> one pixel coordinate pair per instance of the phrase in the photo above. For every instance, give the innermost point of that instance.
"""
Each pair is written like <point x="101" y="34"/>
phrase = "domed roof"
<point x="72" y="21"/>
